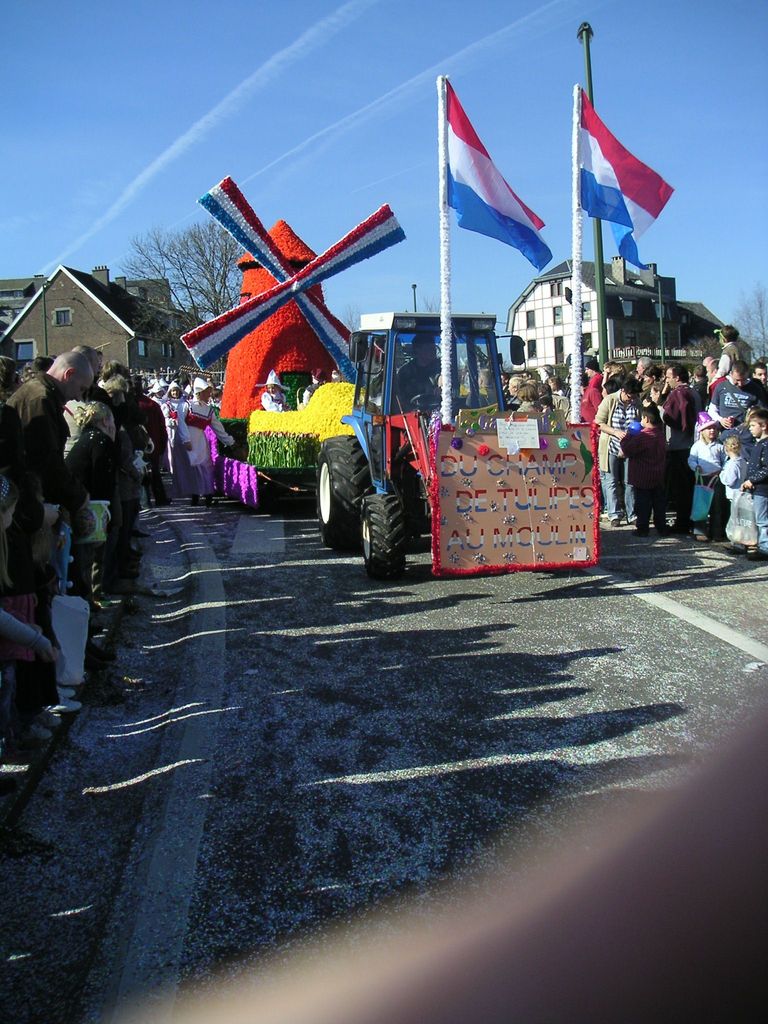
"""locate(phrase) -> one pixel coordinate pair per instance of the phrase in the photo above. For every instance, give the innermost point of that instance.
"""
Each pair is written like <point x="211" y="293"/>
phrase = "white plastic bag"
<point x="70" y="624"/>
<point x="742" y="528"/>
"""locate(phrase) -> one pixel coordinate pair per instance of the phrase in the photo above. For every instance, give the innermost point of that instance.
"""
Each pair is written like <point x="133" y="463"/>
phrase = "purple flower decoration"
<point x="457" y="443"/>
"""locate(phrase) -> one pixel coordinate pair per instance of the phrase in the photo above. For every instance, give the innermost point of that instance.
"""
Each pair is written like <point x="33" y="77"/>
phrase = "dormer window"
<point x="627" y="307"/>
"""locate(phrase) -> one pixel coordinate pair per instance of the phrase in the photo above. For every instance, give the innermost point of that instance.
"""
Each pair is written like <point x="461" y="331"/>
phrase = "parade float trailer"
<point x="497" y="491"/>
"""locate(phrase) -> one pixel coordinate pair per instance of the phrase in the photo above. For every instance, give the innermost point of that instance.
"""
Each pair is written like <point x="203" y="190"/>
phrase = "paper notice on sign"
<point x="516" y="434"/>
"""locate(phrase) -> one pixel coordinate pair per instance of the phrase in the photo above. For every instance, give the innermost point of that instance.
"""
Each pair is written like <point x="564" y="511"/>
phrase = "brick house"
<point x="132" y="321"/>
<point x="543" y="316"/>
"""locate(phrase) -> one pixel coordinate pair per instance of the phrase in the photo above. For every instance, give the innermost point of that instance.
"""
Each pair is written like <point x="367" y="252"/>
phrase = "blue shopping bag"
<point x="702" y="499"/>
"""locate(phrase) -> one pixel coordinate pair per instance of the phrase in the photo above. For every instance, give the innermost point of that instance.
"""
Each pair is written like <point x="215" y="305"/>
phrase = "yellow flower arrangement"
<point x="291" y="440"/>
<point x="321" y="417"/>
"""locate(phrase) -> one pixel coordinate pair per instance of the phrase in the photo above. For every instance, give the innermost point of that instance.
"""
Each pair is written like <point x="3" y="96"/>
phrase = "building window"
<point x="558" y="314"/>
<point x="530" y="318"/>
<point x="142" y="347"/>
<point x="168" y="350"/>
<point x="586" y="311"/>
<point x="664" y="311"/>
<point x="531" y="348"/>
<point x="586" y="340"/>
<point x="555" y="288"/>
<point x="630" y="337"/>
<point x="25" y="351"/>
<point x="559" y="348"/>
<point x="627" y="306"/>
<point x="62" y="317"/>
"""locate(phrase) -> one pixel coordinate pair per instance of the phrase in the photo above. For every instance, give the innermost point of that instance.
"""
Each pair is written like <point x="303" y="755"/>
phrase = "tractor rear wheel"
<point x="384" y="536"/>
<point x="343" y="478"/>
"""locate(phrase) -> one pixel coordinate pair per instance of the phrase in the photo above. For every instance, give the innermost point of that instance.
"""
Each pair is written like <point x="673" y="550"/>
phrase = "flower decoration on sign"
<point x="483" y="449"/>
<point x="443" y="520"/>
<point x="444" y="492"/>
<point x="494" y="506"/>
<point x="467" y="516"/>
<point x="467" y="481"/>
<point x="454" y="559"/>
<point x="457" y="443"/>
<point x="509" y="520"/>
<point x="544" y="443"/>
<point x="480" y="558"/>
<point x="509" y="556"/>
<point x="562" y="442"/>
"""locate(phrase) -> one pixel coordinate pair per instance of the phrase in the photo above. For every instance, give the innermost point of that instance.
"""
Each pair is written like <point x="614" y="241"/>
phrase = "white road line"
<point x="694" y="618"/>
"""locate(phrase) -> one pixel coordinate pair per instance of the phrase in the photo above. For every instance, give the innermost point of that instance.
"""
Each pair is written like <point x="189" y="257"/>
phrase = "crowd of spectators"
<point x="79" y="444"/>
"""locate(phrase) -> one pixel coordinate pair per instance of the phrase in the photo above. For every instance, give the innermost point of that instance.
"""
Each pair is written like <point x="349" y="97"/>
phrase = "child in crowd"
<point x="646" y="453"/>
<point x="707" y="457"/>
<point x="18" y="639"/>
<point x="733" y="474"/>
<point x="757" y="481"/>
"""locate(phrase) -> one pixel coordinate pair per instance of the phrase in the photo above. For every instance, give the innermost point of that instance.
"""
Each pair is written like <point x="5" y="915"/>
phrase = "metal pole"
<point x="661" y="323"/>
<point x="584" y="35"/>
<point x="414" y="298"/>
<point x="45" y="319"/>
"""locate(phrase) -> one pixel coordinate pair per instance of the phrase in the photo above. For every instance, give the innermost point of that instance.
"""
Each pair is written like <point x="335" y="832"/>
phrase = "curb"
<point x="13" y="804"/>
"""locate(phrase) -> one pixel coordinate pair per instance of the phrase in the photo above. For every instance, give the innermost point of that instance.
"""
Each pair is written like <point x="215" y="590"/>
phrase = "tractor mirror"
<point x="516" y="350"/>
<point x="358" y="346"/>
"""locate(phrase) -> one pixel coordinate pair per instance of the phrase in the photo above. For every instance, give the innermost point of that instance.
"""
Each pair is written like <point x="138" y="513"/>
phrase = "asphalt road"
<point x="286" y="743"/>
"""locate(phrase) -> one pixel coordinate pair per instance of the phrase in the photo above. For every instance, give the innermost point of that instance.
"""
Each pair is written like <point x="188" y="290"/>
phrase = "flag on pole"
<point x="616" y="186"/>
<point x="481" y="197"/>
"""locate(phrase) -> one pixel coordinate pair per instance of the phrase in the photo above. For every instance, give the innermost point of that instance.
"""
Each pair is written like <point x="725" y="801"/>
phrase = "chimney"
<point x="652" y="270"/>
<point x="102" y="275"/>
<point x="121" y="282"/>
<point x="619" y="270"/>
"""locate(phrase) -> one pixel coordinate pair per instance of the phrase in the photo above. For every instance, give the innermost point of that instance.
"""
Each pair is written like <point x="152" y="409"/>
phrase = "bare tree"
<point x="351" y="317"/>
<point x="199" y="263"/>
<point x="752" y="319"/>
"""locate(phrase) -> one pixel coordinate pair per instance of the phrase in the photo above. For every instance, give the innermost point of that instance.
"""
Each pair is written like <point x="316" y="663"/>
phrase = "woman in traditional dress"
<point x="192" y="465"/>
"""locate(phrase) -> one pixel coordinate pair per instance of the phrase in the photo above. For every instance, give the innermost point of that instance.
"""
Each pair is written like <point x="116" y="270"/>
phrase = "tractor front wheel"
<point x="384" y="536"/>
<point x="342" y="479"/>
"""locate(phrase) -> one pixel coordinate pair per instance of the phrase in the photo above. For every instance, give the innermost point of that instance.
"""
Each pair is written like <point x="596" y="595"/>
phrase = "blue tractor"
<point x="373" y="487"/>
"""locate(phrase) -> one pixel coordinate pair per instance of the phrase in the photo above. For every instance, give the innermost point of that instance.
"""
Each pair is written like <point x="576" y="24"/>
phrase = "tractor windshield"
<point x="417" y="372"/>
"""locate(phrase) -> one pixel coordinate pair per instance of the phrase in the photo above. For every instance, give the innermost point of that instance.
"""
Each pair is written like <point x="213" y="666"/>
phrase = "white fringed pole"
<point x="446" y="407"/>
<point x="577" y="226"/>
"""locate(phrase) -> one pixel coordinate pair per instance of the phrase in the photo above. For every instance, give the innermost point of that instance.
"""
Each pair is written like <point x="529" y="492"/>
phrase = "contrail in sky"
<point x="397" y="96"/>
<point x="279" y="62"/>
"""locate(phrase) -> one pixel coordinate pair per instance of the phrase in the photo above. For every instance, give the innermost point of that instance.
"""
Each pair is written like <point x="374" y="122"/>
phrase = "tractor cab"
<point x="398" y="363"/>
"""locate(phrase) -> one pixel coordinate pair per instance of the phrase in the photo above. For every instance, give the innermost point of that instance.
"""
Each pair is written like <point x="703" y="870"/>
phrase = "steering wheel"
<point x="426" y="400"/>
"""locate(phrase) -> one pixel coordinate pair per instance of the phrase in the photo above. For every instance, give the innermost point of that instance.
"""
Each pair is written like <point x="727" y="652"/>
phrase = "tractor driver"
<point x="420" y="376"/>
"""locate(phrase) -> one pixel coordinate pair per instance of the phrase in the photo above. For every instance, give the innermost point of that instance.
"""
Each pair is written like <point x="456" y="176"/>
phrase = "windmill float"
<point x="286" y="443"/>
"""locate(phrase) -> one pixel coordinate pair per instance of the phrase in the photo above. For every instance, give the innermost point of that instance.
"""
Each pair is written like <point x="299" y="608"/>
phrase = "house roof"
<point x="702" y="312"/>
<point x="115" y="300"/>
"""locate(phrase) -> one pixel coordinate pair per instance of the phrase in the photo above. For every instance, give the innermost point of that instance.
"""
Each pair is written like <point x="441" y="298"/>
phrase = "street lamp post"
<point x="414" y="297"/>
<point x="661" y="323"/>
<point x="584" y="35"/>
<point x="44" y="288"/>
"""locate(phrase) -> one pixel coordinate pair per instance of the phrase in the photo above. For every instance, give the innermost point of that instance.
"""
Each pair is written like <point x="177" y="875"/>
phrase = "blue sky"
<point x="123" y="114"/>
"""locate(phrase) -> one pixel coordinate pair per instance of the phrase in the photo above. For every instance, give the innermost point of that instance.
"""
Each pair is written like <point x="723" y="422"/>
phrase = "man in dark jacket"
<point x="40" y="404"/>
<point x="680" y="419"/>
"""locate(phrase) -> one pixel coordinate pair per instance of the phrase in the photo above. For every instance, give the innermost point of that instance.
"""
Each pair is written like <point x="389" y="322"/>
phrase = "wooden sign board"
<point x="501" y="507"/>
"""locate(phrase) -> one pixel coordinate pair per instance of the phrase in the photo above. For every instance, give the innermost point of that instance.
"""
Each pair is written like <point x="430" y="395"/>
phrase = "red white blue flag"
<point x="615" y="186"/>
<point x="481" y="197"/>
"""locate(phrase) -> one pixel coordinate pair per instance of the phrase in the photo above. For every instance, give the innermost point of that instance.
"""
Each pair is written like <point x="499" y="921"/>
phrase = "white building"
<point x="543" y="315"/>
